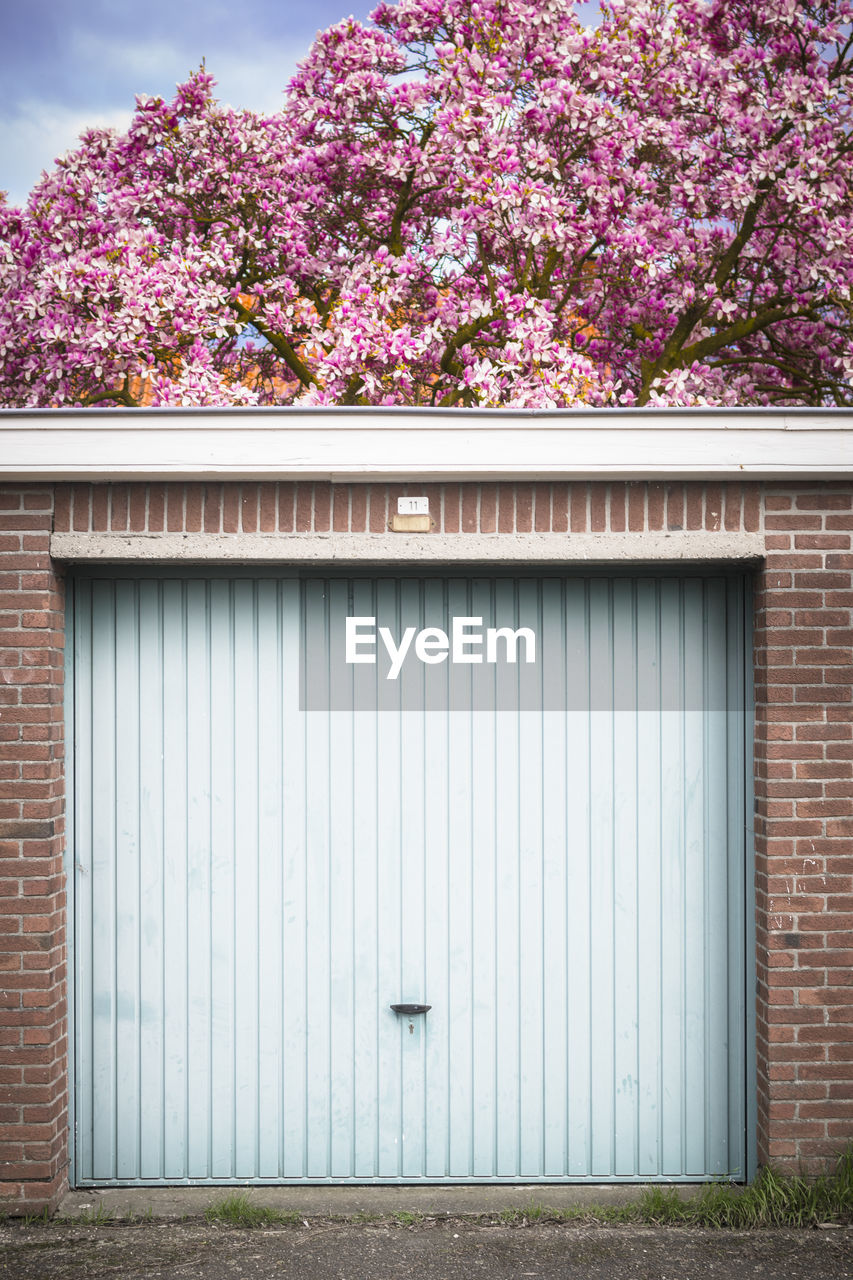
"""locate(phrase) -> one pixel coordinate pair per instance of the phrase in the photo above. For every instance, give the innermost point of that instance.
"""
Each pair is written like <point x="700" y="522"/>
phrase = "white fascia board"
<point x="343" y="444"/>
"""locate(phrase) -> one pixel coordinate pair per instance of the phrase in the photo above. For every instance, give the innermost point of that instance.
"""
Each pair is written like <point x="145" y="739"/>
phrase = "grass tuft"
<point x="133" y="1216"/>
<point x="405" y="1218"/>
<point x="95" y="1217"/>
<point x="34" y="1219"/>
<point x="239" y="1211"/>
<point x="772" y="1200"/>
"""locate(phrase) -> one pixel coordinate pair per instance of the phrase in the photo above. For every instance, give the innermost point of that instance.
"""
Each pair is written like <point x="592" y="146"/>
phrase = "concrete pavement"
<point x="438" y="1248"/>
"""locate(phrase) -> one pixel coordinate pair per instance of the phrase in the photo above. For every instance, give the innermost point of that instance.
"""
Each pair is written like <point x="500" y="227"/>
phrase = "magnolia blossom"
<point x="465" y="202"/>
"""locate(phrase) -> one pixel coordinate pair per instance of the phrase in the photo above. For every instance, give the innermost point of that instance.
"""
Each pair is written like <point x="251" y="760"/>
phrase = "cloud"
<point x="37" y="134"/>
<point x="68" y="65"/>
<point x="34" y="132"/>
<point x="156" y="66"/>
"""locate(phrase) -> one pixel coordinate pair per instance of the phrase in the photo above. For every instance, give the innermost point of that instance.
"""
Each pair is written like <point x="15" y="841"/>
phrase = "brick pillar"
<point x="804" y="827"/>
<point x="33" y="1018"/>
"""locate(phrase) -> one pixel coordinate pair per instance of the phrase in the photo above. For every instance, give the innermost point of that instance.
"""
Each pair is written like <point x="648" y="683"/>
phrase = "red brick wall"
<point x="803" y="761"/>
<point x="804" y="825"/>
<point x="309" y="507"/>
<point x="33" y="1021"/>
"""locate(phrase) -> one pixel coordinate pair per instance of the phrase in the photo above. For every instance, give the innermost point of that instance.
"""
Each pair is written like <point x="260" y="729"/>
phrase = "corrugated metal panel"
<point x="258" y="884"/>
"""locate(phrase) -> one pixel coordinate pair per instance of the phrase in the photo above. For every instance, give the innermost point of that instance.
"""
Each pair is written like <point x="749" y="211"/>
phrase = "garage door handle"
<point x="409" y="1009"/>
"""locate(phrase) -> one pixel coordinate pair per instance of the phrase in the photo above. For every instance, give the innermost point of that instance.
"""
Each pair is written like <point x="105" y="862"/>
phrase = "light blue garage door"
<point x="528" y="816"/>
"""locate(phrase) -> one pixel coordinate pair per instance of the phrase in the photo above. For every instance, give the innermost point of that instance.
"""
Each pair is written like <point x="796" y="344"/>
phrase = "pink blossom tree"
<point x="466" y="202"/>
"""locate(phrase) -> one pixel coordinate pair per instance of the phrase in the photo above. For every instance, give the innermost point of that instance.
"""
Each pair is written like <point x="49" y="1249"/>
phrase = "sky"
<point x="66" y="65"/>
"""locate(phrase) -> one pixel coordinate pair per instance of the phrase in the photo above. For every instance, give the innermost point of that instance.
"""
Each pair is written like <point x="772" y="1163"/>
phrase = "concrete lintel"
<point x="368" y="549"/>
